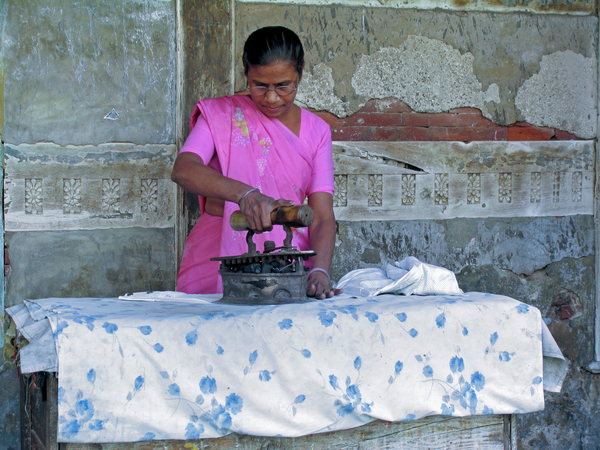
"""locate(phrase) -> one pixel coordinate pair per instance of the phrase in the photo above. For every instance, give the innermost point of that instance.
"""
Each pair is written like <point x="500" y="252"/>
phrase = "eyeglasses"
<point x="282" y="91"/>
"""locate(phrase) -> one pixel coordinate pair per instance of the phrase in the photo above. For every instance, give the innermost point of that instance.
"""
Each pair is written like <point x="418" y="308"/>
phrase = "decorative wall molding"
<point x="340" y="196"/>
<point x="443" y="180"/>
<point x="149" y="195"/>
<point x="49" y="187"/>
<point x="72" y="196"/>
<point x="34" y="196"/>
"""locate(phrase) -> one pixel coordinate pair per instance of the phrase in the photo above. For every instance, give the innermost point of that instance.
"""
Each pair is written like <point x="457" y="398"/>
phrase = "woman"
<point x="257" y="151"/>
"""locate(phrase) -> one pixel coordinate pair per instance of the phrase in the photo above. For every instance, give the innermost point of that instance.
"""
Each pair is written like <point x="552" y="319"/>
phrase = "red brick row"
<point x="490" y="133"/>
<point x="393" y="120"/>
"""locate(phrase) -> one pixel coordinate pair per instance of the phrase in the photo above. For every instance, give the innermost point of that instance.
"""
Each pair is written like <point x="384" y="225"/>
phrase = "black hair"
<point x="273" y="44"/>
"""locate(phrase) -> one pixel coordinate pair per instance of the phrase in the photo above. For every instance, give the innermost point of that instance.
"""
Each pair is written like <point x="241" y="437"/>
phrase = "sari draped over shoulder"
<point x="261" y="152"/>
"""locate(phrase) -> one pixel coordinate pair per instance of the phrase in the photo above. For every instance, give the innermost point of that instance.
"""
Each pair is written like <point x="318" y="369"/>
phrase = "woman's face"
<point x="271" y="76"/>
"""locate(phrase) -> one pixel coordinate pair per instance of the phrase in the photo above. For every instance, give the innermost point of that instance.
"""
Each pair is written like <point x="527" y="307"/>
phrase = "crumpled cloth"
<point x="409" y="276"/>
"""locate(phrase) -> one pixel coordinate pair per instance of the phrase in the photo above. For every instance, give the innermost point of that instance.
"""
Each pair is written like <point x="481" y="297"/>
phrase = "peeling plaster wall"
<point x="519" y="245"/>
<point x="426" y="74"/>
<point x="94" y="73"/>
<point x="562" y="94"/>
<point x="435" y="61"/>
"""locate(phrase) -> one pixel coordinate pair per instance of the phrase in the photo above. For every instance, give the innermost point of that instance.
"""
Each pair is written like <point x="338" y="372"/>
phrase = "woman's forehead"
<point x="279" y="70"/>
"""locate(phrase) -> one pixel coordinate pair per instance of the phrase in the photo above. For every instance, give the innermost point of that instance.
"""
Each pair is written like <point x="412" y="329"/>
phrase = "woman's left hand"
<point x="319" y="286"/>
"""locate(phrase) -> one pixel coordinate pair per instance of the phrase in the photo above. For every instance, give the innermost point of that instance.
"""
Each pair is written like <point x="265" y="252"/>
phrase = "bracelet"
<point x="318" y="269"/>
<point x="246" y="194"/>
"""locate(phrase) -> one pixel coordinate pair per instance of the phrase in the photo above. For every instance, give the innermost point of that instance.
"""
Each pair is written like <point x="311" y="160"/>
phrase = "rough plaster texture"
<point x="505" y="50"/>
<point x="426" y="74"/>
<point x="317" y="92"/>
<point x="89" y="72"/>
<point x="562" y="94"/>
<point x="99" y="263"/>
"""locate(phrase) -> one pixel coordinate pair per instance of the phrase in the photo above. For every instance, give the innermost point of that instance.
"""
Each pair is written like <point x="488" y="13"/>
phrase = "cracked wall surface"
<point x="520" y="245"/>
<point x="437" y="60"/>
<point x="426" y="74"/>
<point x="563" y="94"/>
<point x="99" y="263"/>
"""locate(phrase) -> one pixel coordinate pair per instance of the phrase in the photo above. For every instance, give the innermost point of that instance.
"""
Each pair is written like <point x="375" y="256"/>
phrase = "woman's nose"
<point x="271" y="96"/>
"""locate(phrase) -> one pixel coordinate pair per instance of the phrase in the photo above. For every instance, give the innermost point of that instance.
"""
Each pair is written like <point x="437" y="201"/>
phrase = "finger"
<point x="316" y="289"/>
<point x="265" y="218"/>
<point x="311" y="290"/>
<point x="321" y="291"/>
<point x="282" y="202"/>
<point x="257" y="210"/>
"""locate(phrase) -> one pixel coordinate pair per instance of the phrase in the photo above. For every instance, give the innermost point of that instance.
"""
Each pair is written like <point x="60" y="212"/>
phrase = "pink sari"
<point x="259" y="151"/>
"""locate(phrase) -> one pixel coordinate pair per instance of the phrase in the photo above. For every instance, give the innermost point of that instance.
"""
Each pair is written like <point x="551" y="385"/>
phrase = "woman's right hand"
<point x="257" y="207"/>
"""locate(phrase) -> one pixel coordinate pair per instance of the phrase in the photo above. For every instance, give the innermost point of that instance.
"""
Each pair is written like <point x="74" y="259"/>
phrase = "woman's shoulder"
<point x="224" y="105"/>
<point x="226" y="100"/>
<point x="314" y="121"/>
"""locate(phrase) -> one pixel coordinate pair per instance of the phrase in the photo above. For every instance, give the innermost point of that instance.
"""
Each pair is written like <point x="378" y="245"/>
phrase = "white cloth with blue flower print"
<point x="185" y="368"/>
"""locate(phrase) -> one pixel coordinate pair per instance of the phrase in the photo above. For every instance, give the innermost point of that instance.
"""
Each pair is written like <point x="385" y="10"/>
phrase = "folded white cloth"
<point x="409" y="276"/>
<point x="171" y="296"/>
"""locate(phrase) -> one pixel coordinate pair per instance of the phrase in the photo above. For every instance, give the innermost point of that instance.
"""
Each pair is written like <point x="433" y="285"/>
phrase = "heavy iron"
<point x="277" y="275"/>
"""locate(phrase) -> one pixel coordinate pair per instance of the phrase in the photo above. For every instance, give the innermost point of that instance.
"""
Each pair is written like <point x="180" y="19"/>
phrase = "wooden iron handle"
<point x="297" y="216"/>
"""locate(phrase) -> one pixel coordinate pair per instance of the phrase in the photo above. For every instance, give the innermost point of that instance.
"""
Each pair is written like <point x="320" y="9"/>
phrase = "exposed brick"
<point x="352" y="133"/>
<point x="473" y="120"/>
<point x="374" y="119"/>
<point x="467" y="134"/>
<point x="529" y="133"/>
<point x="565" y="136"/>
<point x="465" y="110"/>
<point x="401" y="134"/>
<point x="385" y="105"/>
<point x="567" y="305"/>
<point x="445" y="120"/>
<point x="331" y="119"/>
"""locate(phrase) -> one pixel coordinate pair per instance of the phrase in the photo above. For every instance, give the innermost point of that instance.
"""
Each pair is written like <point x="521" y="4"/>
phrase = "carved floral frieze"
<point x="449" y="179"/>
<point x="116" y="185"/>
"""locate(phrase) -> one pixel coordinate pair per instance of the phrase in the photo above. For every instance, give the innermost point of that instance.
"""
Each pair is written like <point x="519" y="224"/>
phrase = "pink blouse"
<point x="313" y="130"/>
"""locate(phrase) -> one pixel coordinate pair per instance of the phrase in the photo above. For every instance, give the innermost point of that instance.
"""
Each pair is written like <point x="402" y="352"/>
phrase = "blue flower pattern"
<point x="454" y="383"/>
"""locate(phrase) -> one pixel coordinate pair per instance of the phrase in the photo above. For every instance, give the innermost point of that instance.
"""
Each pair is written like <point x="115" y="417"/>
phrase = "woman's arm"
<point x="322" y="240"/>
<point x="190" y="172"/>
